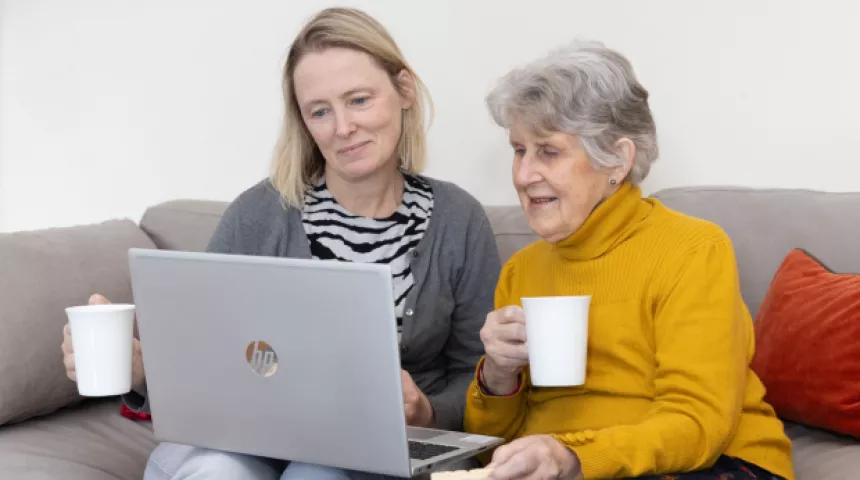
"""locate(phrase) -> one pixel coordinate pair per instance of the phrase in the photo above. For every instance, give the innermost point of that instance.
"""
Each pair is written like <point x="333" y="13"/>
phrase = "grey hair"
<point x="583" y="89"/>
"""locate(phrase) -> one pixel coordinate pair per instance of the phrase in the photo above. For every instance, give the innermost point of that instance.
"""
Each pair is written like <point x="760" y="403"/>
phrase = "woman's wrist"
<point x="496" y="382"/>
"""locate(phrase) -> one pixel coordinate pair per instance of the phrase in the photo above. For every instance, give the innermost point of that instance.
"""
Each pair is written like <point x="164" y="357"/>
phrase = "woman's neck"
<point x="377" y="196"/>
<point x="609" y="224"/>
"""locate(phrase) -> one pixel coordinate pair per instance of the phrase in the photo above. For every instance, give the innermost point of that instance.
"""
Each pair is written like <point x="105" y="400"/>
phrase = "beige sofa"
<point x="47" y="432"/>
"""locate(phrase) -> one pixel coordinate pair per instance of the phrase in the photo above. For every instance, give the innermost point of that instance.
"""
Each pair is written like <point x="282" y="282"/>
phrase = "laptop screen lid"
<point x="285" y="358"/>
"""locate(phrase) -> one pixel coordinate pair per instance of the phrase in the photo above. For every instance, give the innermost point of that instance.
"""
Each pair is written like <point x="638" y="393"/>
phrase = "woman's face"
<point x="352" y="110"/>
<point x="557" y="185"/>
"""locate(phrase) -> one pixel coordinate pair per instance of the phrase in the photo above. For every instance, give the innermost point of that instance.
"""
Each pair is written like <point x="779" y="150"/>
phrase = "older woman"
<point x="669" y="392"/>
<point x="346" y="185"/>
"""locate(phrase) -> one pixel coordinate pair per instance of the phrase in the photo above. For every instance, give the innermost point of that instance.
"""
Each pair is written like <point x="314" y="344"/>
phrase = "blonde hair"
<point x="297" y="161"/>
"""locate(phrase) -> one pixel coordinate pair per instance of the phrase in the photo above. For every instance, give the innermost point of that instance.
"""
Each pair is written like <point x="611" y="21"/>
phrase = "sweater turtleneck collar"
<point x="609" y="224"/>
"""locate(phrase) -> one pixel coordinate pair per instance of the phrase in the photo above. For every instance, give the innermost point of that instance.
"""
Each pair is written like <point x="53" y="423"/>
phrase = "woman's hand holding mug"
<point x="137" y="374"/>
<point x="504" y="337"/>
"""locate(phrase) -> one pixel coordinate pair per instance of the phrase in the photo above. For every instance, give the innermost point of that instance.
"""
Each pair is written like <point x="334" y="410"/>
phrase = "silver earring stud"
<point x="612" y="181"/>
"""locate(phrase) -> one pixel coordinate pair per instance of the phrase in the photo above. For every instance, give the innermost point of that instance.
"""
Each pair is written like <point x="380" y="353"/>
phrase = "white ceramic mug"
<point x="557" y="337"/>
<point x="102" y="337"/>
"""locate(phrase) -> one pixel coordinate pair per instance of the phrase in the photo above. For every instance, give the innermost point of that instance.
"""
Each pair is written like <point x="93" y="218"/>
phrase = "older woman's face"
<point x="556" y="183"/>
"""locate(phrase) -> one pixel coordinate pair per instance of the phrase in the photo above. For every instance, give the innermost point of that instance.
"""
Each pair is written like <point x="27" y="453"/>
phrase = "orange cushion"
<point x="808" y="345"/>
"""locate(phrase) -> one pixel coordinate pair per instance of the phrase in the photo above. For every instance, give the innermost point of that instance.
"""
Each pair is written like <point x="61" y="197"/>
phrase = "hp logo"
<point x="262" y="358"/>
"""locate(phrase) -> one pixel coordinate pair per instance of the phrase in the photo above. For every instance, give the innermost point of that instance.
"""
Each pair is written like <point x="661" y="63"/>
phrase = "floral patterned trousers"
<point x="726" y="468"/>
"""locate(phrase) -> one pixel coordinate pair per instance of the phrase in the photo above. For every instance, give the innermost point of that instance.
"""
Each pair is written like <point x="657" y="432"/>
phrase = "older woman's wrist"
<point x="497" y="382"/>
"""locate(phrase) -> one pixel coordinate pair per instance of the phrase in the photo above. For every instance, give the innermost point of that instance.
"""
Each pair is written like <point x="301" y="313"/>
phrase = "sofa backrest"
<point x="764" y="224"/>
<point x="41" y="273"/>
<point x="188" y="224"/>
<point x="54" y="268"/>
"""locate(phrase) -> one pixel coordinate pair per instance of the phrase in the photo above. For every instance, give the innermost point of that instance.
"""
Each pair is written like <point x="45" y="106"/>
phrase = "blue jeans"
<point x="172" y="461"/>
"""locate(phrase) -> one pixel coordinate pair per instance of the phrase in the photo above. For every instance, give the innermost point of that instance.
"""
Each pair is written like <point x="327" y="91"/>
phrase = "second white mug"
<point x="557" y="337"/>
<point x="102" y="339"/>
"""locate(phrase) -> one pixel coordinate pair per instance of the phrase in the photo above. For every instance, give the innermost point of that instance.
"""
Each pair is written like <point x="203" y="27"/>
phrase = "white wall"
<point x="107" y="106"/>
<point x="3" y="32"/>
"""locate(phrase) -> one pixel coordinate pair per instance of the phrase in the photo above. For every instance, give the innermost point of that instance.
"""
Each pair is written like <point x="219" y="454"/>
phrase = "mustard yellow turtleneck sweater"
<point x="668" y="386"/>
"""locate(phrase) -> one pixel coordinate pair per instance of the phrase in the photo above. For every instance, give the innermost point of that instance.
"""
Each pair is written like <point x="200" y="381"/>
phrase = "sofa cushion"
<point x="182" y="224"/>
<point x="813" y="315"/>
<point x="44" y="272"/>
<point x="91" y="441"/>
<point x="765" y="224"/>
<point x="821" y="455"/>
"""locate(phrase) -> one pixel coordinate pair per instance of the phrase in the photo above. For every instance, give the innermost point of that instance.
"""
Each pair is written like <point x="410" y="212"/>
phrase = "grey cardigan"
<point x="456" y="267"/>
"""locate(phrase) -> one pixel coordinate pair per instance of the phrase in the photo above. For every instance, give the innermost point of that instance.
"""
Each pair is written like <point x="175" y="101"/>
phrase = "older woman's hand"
<point x="504" y="337"/>
<point x="537" y="457"/>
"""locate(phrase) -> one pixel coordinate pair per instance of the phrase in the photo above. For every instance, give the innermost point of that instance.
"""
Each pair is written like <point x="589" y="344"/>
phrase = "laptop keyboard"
<point x="426" y="451"/>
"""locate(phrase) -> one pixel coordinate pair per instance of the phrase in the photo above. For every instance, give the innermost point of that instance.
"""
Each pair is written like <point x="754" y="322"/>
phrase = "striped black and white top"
<point x="336" y="234"/>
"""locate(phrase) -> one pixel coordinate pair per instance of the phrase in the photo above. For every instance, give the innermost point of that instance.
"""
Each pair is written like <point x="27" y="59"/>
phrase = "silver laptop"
<point x="284" y="358"/>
